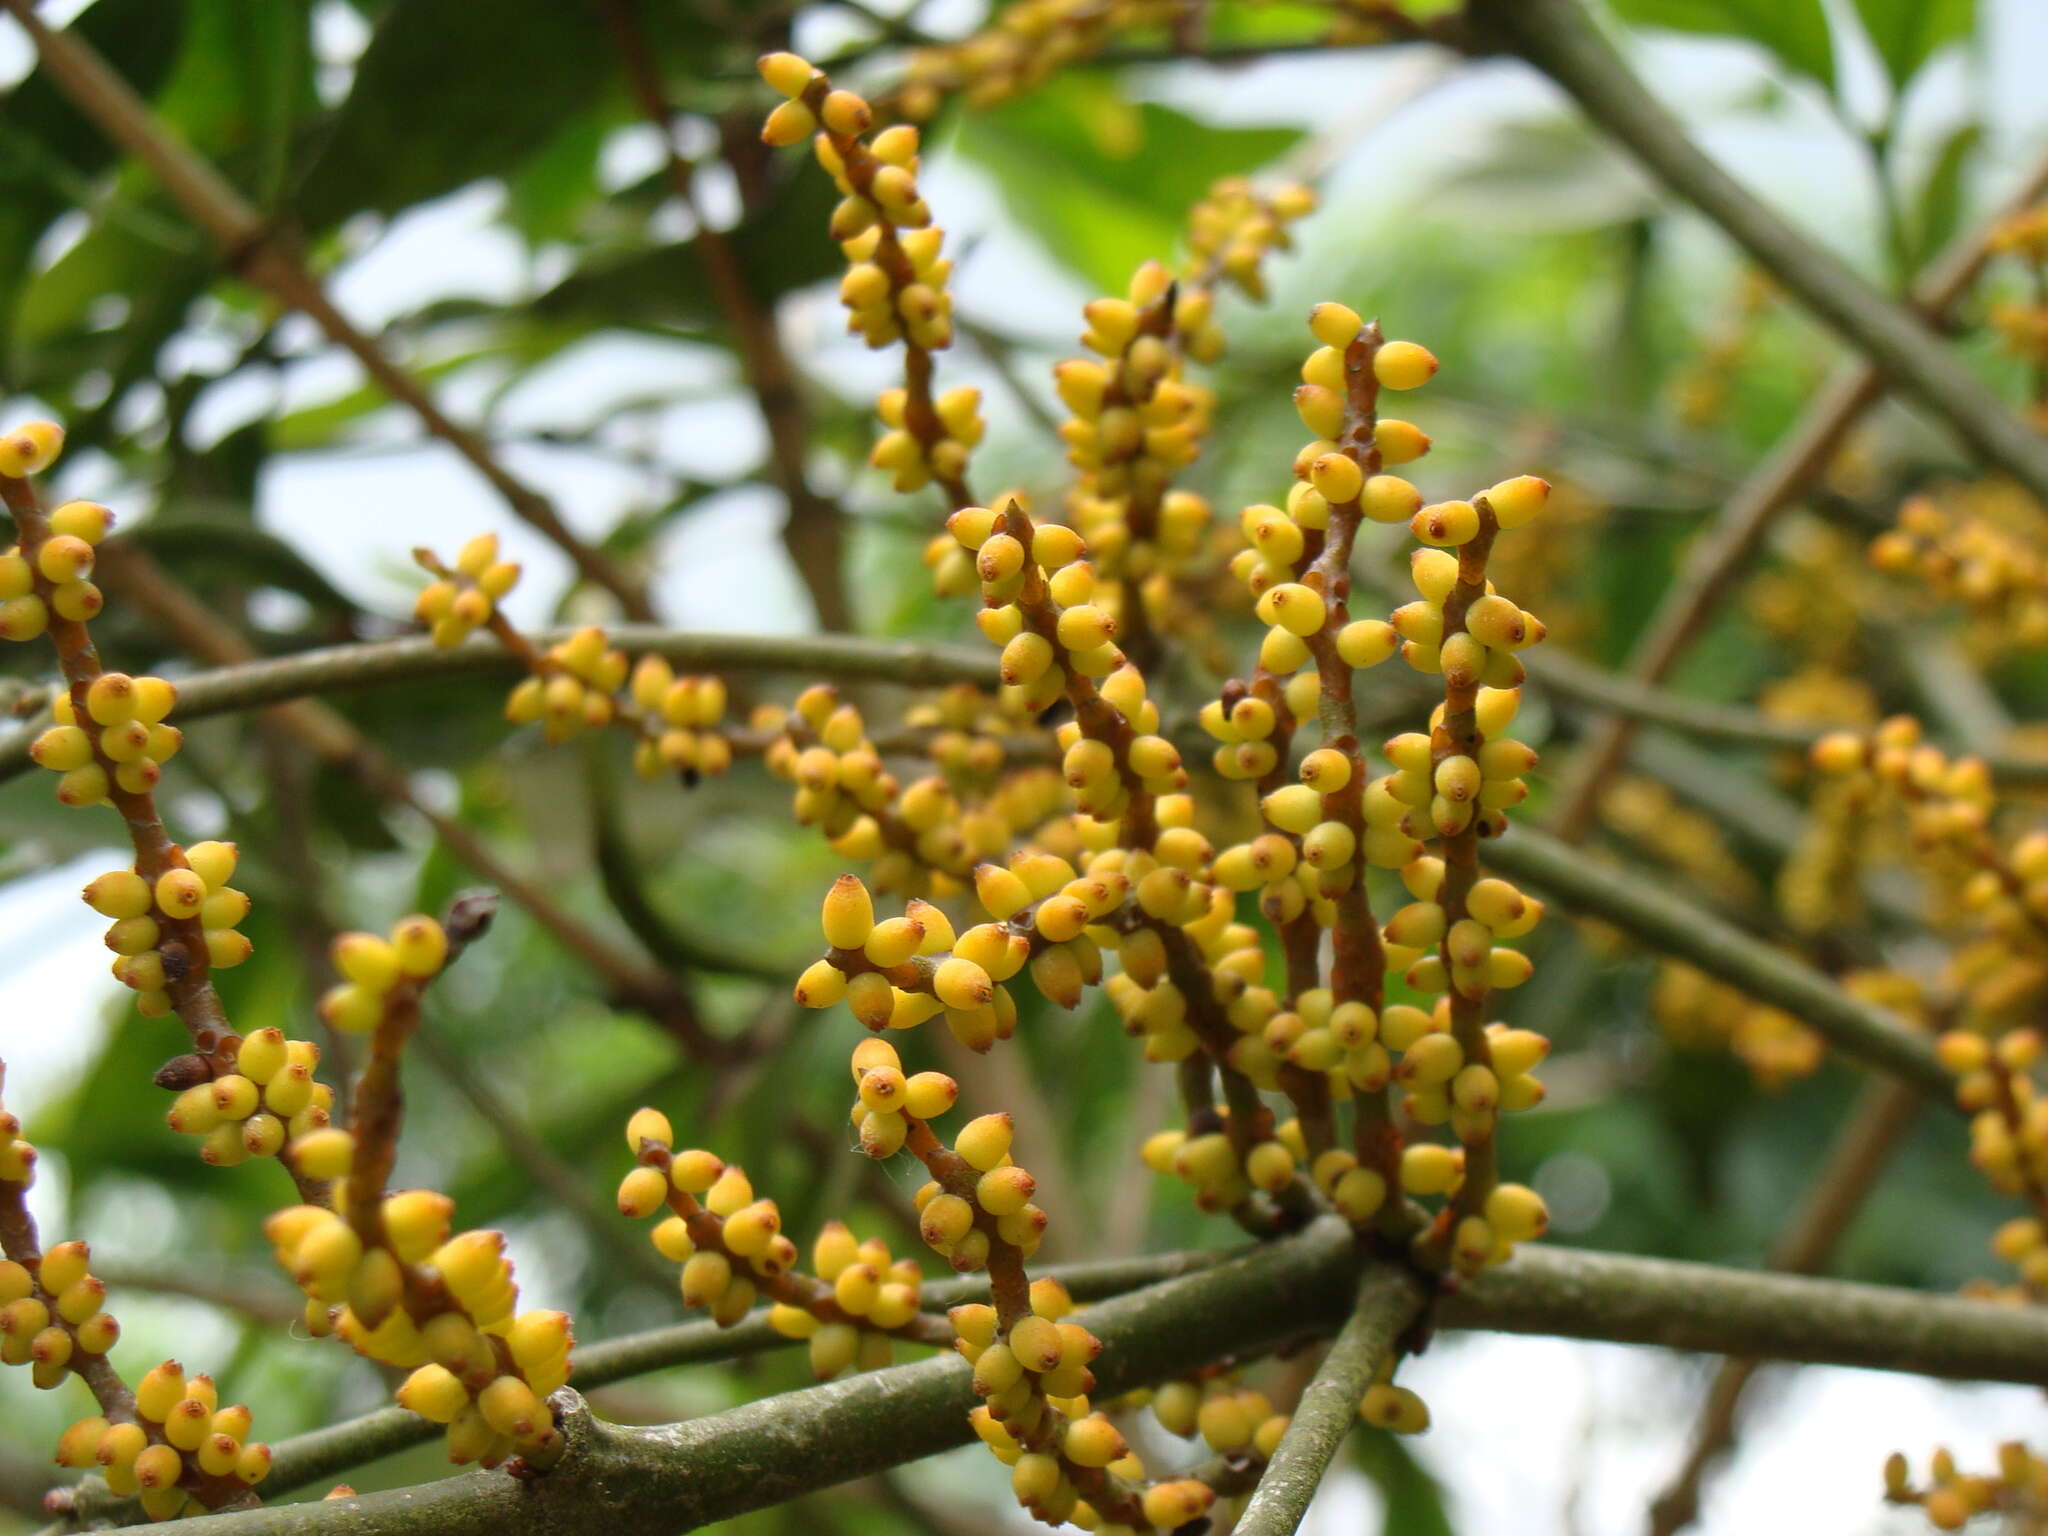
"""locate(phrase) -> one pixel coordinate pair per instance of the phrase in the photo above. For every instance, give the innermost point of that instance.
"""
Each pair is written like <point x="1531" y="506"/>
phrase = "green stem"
<point x="1388" y="1300"/>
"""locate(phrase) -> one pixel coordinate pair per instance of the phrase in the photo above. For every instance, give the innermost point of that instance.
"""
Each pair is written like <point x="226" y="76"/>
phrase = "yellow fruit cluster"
<point x="152" y="922"/>
<point x="117" y="747"/>
<point x="895" y="283"/>
<point x="441" y="1306"/>
<point x="1025" y="45"/>
<point x="377" y="969"/>
<point x="182" y="1452"/>
<point x="269" y="1105"/>
<point x="2018" y="1490"/>
<point x="1994" y="899"/>
<point x="919" y="838"/>
<point x="1697" y="1012"/>
<point x="851" y="1310"/>
<point x="584" y="682"/>
<point x="59" y="581"/>
<point x="460" y="601"/>
<point x="170" y="1442"/>
<point x="1974" y="557"/>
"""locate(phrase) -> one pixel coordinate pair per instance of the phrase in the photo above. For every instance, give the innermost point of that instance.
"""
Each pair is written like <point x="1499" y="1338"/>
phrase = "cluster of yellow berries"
<point x="897" y="973"/>
<point x="1997" y="898"/>
<point x="270" y="1102"/>
<point x="53" y="580"/>
<point x="442" y="1307"/>
<point x="1135" y="422"/>
<point x="1207" y="1161"/>
<point x="895" y="283"/>
<point x="1697" y="1012"/>
<point x="983" y="1201"/>
<point x="1069" y="1462"/>
<point x="153" y="923"/>
<point x="1230" y="233"/>
<point x="59" y="584"/>
<point x="121" y="745"/>
<point x="1971" y="557"/>
<point x="375" y="968"/>
<point x="1025" y="45"/>
<point x="2018" y="1490"/>
<point x="920" y="837"/>
<point x="182" y="1452"/>
<point x="458" y="602"/>
<point x="584" y="682"/>
<point x="178" y="1448"/>
<point x="857" y="1302"/>
<point x="969" y="731"/>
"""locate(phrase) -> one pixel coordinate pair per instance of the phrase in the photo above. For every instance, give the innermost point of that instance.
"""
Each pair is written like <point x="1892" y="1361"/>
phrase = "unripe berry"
<point x="1446" y="523"/>
<point x="1293" y="607"/>
<point x="984" y="1141"/>
<point x="1403" y="365"/>
<point x="849" y="913"/>
<point x="1336" y="477"/>
<point x="1334" y="325"/>
<point x="1517" y="501"/>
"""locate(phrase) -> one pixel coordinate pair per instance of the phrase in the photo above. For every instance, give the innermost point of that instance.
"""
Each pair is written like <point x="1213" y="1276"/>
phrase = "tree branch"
<point x="341" y="668"/>
<point x="671" y="1478"/>
<point x="1672" y="925"/>
<point x="1561" y="40"/>
<point x="253" y="248"/>
<point x="1388" y="1301"/>
<point x="1882" y="1115"/>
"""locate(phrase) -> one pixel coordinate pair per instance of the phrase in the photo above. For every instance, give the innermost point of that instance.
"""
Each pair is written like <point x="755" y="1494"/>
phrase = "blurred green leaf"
<point x="1103" y="181"/>
<point x="1414" y="1499"/>
<point x="1907" y="33"/>
<point x="1796" y="31"/>
<point x="420" y="82"/>
<point x="1940" y="208"/>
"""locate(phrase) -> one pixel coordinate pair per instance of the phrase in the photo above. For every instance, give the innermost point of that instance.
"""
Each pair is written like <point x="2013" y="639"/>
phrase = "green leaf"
<point x="450" y="91"/>
<point x="426" y="116"/>
<point x="1907" y="33"/>
<point x="1940" y="207"/>
<point x="1415" y="1501"/>
<point x="1796" y="31"/>
<point x="243" y="87"/>
<point x="1104" y="182"/>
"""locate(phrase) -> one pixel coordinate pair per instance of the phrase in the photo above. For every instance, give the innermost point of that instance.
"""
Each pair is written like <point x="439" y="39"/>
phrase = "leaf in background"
<point x="1907" y="33"/>
<point x="243" y="87"/>
<point x="424" y="116"/>
<point x="1940" y="209"/>
<point x="48" y="143"/>
<point x="1796" y="31"/>
<point x="781" y="248"/>
<point x="1415" y="1501"/>
<point x="1105" y="182"/>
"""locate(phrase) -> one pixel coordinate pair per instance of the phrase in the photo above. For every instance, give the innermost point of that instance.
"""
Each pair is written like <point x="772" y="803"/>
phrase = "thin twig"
<point x="1388" y="1300"/>
<point x="202" y="633"/>
<point x="1882" y="1115"/>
